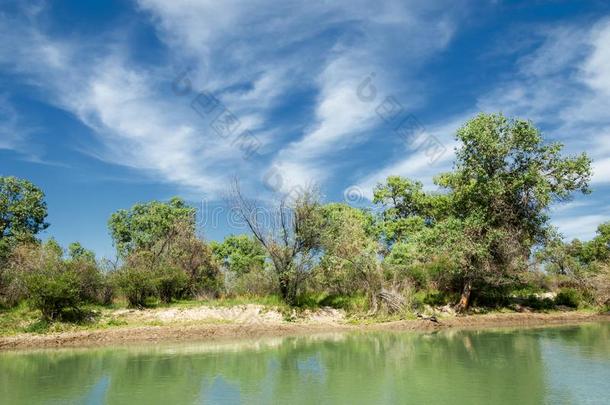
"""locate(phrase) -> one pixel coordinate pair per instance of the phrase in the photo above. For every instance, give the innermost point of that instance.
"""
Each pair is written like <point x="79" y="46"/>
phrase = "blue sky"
<point x="107" y="103"/>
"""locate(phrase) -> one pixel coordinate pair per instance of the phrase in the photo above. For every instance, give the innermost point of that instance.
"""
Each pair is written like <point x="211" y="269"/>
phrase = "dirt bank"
<point x="194" y="325"/>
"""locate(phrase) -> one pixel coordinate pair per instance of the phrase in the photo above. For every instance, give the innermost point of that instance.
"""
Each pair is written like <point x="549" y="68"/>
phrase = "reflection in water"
<point x="553" y="365"/>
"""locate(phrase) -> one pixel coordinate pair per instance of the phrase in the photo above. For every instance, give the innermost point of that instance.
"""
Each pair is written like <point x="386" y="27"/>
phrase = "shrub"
<point x="253" y="283"/>
<point x="538" y="303"/>
<point x="171" y="282"/>
<point x="89" y="279"/>
<point x="136" y="284"/>
<point x="418" y="275"/>
<point x="106" y="292"/>
<point x="569" y="297"/>
<point x="23" y="260"/>
<point x="600" y="283"/>
<point x="438" y="298"/>
<point x="51" y="290"/>
<point x="491" y="298"/>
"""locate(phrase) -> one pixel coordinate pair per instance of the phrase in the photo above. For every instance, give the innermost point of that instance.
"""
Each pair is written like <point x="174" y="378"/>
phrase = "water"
<point x="567" y="365"/>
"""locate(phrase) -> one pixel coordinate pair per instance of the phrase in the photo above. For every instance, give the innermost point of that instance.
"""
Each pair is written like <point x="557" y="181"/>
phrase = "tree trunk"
<point x="284" y="287"/>
<point x="464" y="302"/>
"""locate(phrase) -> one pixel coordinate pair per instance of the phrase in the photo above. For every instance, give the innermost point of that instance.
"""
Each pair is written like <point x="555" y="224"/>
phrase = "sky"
<point x="104" y="104"/>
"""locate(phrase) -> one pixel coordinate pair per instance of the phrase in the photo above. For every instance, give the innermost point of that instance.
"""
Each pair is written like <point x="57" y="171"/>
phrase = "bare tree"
<point x="289" y="232"/>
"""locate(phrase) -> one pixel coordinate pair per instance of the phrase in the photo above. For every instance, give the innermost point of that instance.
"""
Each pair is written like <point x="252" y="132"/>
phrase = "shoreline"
<point x="202" y="332"/>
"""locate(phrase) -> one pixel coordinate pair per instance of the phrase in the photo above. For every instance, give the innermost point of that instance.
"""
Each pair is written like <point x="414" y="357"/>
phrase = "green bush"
<point x="569" y="297"/>
<point x="537" y="303"/>
<point x="136" y="283"/>
<point x="90" y="279"/>
<point x="253" y="283"/>
<point x="51" y="290"/>
<point x="438" y="298"/>
<point x="171" y="282"/>
<point x="491" y="298"/>
<point x="418" y="275"/>
<point x="106" y="292"/>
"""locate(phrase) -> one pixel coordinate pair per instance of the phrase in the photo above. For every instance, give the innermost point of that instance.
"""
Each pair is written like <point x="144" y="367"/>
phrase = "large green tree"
<point x="495" y="203"/>
<point x="145" y="224"/>
<point x="22" y="213"/>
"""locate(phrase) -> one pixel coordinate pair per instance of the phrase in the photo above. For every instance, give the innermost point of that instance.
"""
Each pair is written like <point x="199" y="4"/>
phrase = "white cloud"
<point x="11" y="135"/>
<point x="582" y="227"/>
<point x="563" y="85"/>
<point x="281" y="48"/>
<point x="601" y="171"/>
<point x="136" y="123"/>
<point x="418" y="163"/>
<point x="597" y="67"/>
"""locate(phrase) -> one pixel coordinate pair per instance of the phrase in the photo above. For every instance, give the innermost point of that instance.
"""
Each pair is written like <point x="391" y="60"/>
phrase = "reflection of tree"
<point x="472" y="367"/>
<point x="590" y="340"/>
<point x="60" y="376"/>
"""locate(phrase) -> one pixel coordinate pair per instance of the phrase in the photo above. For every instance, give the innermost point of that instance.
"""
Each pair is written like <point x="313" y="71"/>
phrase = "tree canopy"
<point x="494" y="205"/>
<point x="23" y="211"/>
<point x="144" y="224"/>
<point x="239" y="253"/>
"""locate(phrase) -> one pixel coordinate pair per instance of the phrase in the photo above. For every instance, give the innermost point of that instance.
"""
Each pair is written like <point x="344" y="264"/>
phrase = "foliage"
<point x="52" y="286"/>
<point x="406" y="207"/>
<point x="538" y="303"/>
<point x="472" y="241"/>
<point x="163" y="256"/>
<point x="290" y="236"/>
<point x="348" y="240"/>
<point x="569" y="297"/>
<point x="135" y="280"/>
<point x="39" y="273"/>
<point x="239" y="254"/>
<point x="494" y="206"/>
<point x="171" y="282"/>
<point x="144" y="224"/>
<point x="253" y="283"/>
<point x="52" y="290"/>
<point x="600" y="285"/>
<point x="77" y="252"/>
<point x="22" y="213"/>
<point x="181" y="249"/>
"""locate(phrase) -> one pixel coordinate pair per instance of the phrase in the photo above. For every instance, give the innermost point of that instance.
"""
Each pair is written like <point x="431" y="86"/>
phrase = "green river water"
<point x="555" y="365"/>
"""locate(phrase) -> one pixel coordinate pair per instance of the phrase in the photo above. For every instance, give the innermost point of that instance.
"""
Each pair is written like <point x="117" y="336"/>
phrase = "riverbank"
<point x="253" y="321"/>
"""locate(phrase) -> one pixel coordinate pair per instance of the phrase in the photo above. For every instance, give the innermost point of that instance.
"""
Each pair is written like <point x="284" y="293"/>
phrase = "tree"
<point x="407" y="208"/>
<point x="144" y="224"/>
<point x="181" y="249"/>
<point x="240" y="253"/>
<point x="22" y="213"/>
<point x="77" y="252"/>
<point x="494" y="208"/>
<point x="505" y="179"/>
<point x="348" y="241"/>
<point x="585" y="265"/>
<point x="598" y="249"/>
<point x="158" y="242"/>
<point x="290" y="234"/>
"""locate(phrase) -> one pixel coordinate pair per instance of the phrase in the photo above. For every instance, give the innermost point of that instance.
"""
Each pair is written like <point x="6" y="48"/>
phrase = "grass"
<point x="23" y="319"/>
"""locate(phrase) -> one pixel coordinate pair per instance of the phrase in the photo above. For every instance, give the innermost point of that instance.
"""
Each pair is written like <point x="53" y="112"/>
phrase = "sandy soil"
<point x="254" y="321"/>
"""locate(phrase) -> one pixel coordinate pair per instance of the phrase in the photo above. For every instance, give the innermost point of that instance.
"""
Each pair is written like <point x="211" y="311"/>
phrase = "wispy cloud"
<point x="562" y="84"/>
<point x="578" y="226"/>
<point x="136" y="123"/>
<point x="417" y="164"/>
<point x="325" y="47"/>
<point x="12" y="133"/>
